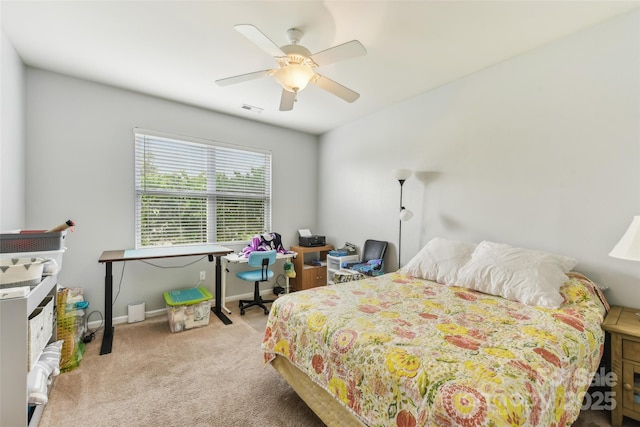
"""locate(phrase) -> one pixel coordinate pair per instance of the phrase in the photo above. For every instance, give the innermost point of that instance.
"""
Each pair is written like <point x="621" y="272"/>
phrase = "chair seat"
<point x="253" y="275"/>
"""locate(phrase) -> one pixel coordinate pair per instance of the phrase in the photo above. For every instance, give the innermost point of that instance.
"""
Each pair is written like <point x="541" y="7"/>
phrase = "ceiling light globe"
<point x="293" y="77"/>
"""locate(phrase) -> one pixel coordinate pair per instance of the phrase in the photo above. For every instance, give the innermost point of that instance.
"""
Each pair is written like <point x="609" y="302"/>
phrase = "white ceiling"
<point x="177" y="49"/>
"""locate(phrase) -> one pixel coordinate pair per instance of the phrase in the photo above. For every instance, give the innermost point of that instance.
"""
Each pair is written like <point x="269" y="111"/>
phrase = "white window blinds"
<point x="191" y="191"/>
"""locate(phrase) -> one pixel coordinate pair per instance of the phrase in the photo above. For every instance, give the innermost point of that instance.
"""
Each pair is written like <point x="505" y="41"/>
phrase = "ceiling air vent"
<point x="252" y="108"/>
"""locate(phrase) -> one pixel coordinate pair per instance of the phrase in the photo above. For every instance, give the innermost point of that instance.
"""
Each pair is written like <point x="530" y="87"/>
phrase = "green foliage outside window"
<point x="178" y="208"/>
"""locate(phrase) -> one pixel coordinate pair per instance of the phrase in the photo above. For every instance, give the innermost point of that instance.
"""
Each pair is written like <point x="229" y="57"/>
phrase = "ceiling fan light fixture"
<point x="293" y="77"/>
<point x="296" y="65"/>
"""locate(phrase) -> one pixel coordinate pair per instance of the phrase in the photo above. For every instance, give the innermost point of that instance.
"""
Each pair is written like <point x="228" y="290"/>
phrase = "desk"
<point x="240" y="259"/>
<point x="109" y="257"/>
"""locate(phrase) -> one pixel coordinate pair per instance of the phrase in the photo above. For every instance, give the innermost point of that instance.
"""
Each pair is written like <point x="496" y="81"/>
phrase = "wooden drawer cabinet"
<point x="631" y="349"/>
<point x="314" y="277"/>
<point x="631" y="389"/>
<point x="309" y="275"/>
<point x="624" y="327"/>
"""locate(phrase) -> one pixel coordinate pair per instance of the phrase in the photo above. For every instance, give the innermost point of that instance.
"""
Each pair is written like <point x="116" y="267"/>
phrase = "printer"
<point x="308" y="240"/>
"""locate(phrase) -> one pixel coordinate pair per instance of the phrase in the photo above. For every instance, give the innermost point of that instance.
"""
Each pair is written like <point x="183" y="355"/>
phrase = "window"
<point x="191" y="191"/>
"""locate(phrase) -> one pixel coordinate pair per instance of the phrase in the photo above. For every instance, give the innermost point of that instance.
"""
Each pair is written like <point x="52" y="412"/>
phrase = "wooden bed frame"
<point x="325" y="406"/>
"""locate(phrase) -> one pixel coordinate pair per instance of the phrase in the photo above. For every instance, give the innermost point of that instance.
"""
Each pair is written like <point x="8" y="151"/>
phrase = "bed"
<point x="403" y="350"/>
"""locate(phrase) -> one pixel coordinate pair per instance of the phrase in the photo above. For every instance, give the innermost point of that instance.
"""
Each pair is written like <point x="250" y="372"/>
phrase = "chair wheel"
<point x="241" y="312"/>
<point x="266" y="312"/>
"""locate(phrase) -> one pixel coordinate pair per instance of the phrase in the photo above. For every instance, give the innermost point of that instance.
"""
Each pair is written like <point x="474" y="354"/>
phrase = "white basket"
<point x="56" y="255"/>
<point x="17" y="272"/>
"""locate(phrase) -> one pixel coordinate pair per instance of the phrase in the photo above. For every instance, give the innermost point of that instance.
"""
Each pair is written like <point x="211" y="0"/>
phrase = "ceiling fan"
<point x="297" y="64"/>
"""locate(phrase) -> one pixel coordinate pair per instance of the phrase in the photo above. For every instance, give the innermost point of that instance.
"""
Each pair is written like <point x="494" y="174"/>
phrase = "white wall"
<point x="12" y="137"/>
<point x="540" y="151"/>
<point x="80" y="150"/>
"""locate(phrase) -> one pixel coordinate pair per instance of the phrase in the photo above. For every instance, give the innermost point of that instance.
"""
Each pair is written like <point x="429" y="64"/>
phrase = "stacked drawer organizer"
<point x="27" y="324"/>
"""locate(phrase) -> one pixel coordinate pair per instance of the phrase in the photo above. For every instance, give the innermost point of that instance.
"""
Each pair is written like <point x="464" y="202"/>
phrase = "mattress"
<point x="397" y="350"/>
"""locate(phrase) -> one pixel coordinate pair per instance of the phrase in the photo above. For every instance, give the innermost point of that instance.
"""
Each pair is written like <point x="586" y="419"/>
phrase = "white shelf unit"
<point x="14" y="350"/>
<point x="334" y="264"/>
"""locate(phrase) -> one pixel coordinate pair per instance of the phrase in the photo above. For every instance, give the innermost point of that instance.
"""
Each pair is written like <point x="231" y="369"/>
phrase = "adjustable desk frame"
<point x="109" y="257"/>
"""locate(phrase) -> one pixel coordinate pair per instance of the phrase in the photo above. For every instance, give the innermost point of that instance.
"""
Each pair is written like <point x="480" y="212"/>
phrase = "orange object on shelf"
<point x="62" y="226"/>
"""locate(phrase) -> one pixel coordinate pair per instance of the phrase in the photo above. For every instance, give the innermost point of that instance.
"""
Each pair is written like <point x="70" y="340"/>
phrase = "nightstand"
<point x="624" y="327"/>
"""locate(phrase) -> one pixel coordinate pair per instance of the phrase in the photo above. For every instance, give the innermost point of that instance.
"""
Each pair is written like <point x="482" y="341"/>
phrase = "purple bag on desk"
<point x="265" y="242"/>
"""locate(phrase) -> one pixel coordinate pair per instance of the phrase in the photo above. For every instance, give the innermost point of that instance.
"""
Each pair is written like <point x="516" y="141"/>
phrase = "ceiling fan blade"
<point x="287" y="100"/>
<point x="258" y="37"/>
<point x="243" y="78"/>
<point x="335" y="88"/>
<point x="341" y="52"/>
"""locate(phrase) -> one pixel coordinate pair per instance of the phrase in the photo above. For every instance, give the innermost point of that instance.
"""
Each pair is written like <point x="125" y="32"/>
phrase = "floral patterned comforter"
<point x="402" y="351"/>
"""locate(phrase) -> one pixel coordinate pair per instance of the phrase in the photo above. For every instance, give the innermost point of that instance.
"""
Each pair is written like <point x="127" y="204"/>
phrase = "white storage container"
<point x="334" y="264"/>
<point x="47" y="306"/>
<point x="54" y="255"/>
<point x="40" y="329"/>
<point x="36" y="330"/>
<point x="15" y="272"/>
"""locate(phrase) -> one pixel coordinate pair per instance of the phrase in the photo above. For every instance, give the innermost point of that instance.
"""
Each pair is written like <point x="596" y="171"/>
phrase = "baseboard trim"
<point x="163" y="311"/>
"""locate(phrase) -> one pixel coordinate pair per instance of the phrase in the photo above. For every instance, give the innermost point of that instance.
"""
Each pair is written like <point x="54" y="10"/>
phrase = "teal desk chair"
<point x="262" y="259"/>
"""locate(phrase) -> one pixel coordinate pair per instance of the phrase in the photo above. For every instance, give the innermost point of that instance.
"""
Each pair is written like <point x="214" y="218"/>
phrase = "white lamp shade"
<point x="405" y="214"/>
<point x="402" y="174"/>
<point x="629" y="246"/>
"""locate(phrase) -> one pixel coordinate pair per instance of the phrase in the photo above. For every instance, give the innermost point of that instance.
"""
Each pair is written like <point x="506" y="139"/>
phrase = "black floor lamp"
<point x="405" y="214"/>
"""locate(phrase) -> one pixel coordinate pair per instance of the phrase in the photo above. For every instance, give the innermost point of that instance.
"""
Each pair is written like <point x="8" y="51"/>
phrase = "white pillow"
<point x="439" y="260"/>
<point x="529" y="276"/>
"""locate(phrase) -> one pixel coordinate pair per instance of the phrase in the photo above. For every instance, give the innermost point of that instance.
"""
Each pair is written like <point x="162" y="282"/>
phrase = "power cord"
<point x="279" y="288"/>
<point x="90" y="335"/>
<point x="124" y="264"/>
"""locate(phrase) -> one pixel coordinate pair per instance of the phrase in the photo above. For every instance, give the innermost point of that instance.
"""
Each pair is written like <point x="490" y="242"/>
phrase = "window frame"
<point x="240" y="167"/>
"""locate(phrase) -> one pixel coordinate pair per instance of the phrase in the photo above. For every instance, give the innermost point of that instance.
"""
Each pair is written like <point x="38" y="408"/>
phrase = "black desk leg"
<point x="217" y="309"/>
<point x="107" y="338"/>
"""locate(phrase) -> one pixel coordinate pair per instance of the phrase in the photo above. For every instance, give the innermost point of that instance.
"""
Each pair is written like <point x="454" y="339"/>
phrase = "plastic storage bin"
<point x="188" y="308"/>
<point x="32" y="242"/>
<point x="70" y="327"/>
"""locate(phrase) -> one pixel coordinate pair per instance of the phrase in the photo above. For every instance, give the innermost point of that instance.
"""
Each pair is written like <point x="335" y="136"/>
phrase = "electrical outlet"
<point x="203" y="275"/>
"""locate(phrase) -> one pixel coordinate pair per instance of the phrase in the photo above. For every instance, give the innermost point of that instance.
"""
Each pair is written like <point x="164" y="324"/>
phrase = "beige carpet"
<point x="210" y="376"/>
